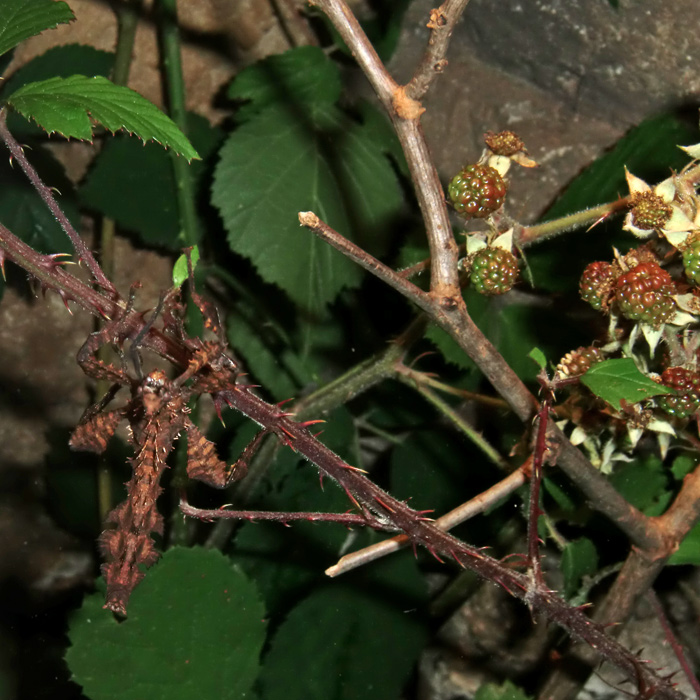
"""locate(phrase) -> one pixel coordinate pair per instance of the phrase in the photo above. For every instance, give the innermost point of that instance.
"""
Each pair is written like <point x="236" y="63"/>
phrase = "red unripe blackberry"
<point x="493" y="271"/>
<point x="645" y="294"/>
<point x="596" y="285"/>
<point x="687" y="384"/>
<point x="477" y="191"/>
<point x="578" y="362"/>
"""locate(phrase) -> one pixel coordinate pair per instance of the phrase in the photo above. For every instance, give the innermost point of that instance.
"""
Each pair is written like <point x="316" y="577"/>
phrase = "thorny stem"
<point x="533" y="538"/>
<point x="336" y="393"/>
<point x="455" y="517"/>
<point x="45" y="193"/>
<point x="349" y="519"/>
<point x="673" y="640"/>
<point x="529" y="235"/>
<point x="370" y="498"/>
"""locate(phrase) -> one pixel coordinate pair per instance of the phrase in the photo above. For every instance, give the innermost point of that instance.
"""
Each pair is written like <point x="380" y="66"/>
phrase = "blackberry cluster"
<point x="477" y="191"/>
<point x="687" y="401"/>
<point x="645" y="294"/>
<point x="596" y="285"/>
<point x="493" y="271"/>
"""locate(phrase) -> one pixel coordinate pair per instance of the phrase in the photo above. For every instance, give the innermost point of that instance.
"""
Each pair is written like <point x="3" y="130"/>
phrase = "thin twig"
<point x="443" y="21"/>
<point x="348" y="519"/>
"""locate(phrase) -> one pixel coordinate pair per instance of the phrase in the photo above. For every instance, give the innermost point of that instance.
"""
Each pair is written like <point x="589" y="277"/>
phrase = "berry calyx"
<point x="596" y="285"/>
<point x="691" y="261"/>
<point x="645" y="294"/>
<point x="687" y="401"/>
<point x="477" y="191"/>
<point x="578" y="362"/>
<point x="504" y="143"/>
<point x="493" y="271"/>
<point x="649" y="211"/>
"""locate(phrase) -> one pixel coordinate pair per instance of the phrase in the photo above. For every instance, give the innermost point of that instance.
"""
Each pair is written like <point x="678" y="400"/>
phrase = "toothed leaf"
<point x="20" y="19"/>
<point x="71" y="107"/>
<point x="620" y="380"/>
<point x="195" y="629"/>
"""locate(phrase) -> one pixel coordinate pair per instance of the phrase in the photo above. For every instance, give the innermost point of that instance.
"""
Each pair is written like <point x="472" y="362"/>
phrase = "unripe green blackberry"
<point x="596" y="285"/>
<point x="649" y="211"/>
<point x="504" y="143"/>
<point x="493" y="271"/>
<point x="645" y="294"/>
<point x="578" y="362"/>
<point x="687" y="384"/>
<point x="691" y="261"/>
<point x="477" y="191"/>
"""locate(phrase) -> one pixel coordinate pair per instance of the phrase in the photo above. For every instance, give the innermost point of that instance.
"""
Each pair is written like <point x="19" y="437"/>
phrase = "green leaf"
<point x="134" y="184"/>
<point x="363" y="642"/>
<point x="302" y="76"/>
<point x="579" y="559"/>
<point x="507" y="691"/>
<point x="682" y="465"/>
<point x="20" y="19"/>
<point x="620" y="380"/>
<point x="180" y="270"/>
<point x="195" y="629"/>
<point x="58" y="62"/>
<point x="70" y="106"/>
<point x="297" y="155"/>
<point x="689" y="550"/>
<point x="537" y="356"/>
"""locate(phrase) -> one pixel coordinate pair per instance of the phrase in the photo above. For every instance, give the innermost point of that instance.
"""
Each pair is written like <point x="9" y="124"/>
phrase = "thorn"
<point x="454" y="556"/>
<point x="2" y="264"/>
<point x="279" y="403"/>
<point x="435" y="554"/>
<point x="55" y="189"/>
<point x="320" y="432"/>
<point x="286" y="432"/>
<point x="63" y="296"/>
<point x="320" y="479"/>
<point x="12" y="162"/>
<point x="355" y="469"/>
<point x="422" y="355"/>
<point x="384" y="505"/>
<point x="307" y="423"/>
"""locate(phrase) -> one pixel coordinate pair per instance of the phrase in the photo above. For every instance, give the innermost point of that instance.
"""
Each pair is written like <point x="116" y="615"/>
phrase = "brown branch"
<point x="442" y="22"/>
